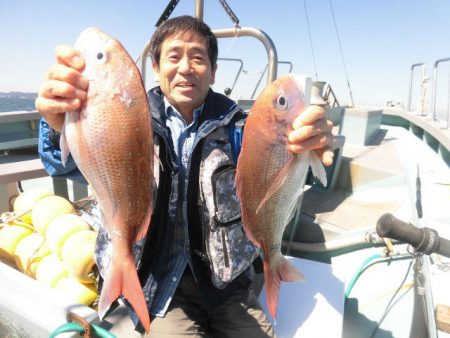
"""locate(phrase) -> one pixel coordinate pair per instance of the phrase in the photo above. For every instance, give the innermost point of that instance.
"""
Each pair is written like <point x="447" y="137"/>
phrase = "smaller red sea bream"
<point x="270" y="178"/>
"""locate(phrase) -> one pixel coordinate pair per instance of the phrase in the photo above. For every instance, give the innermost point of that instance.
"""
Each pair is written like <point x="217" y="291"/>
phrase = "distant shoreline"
<point x="18" y="95"/>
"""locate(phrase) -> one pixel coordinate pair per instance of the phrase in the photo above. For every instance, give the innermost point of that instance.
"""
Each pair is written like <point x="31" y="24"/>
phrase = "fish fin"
<point x="64" y="146"/>
<point x="317" y="168"/>
<point x="278" y="181"/>
<point x="283" y="271"/>
<point x="123" y="280"/>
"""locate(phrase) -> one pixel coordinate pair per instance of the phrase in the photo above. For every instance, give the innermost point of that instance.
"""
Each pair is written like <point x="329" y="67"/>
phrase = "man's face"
<point x="184" y="72"/>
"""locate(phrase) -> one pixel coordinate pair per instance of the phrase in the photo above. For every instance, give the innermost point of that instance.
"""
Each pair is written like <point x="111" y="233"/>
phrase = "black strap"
<point x="167" y="12"/>
<point x="230" y="12"/>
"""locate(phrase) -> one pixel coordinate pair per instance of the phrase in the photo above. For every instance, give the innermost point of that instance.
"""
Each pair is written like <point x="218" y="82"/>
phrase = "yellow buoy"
<point x="10" y="236"/>
<point x="61" y="228"/>
<point x="47" y="209"/>
<point x="36" y="259"/>
<point x="72" y="290"/>
<point x="25" y="250"/>
<point x="26" y="200"/>
<point x="77" y="254"/>
<point x="50" y="270"/>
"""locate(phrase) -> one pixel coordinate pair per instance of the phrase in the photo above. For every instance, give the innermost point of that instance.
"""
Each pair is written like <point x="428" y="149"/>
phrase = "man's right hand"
<point x="64" y="87"/>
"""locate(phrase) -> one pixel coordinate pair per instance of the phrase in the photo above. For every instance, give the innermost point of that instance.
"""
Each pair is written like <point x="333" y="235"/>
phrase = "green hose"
<point x="74" y="327"/>
<point x="365" y="264"/>
<point x="358" y="273"/>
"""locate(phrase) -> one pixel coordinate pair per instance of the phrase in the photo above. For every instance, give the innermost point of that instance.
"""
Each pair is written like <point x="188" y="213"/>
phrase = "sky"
<point x="380" y="40"/>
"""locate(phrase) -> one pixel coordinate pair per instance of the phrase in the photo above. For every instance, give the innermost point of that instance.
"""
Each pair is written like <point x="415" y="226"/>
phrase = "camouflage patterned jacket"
<point x="217" y="250"/>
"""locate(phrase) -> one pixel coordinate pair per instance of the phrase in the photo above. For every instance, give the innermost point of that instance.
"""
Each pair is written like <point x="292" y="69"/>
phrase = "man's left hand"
<point x="312" y="131"/>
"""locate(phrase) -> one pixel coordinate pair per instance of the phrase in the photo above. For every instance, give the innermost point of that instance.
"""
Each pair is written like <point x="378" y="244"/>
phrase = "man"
<point x="185" y="294"/>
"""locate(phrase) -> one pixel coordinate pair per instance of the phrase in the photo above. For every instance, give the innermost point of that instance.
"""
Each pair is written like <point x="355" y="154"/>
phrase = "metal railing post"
<point x="433" y="111"/>
<point x="264" y="72"/>
<point x="241" y="65"/>
<point x="411" y="82"/>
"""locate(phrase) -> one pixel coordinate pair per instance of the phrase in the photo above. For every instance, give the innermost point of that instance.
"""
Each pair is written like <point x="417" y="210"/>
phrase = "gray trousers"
<point x="240" y="315"/>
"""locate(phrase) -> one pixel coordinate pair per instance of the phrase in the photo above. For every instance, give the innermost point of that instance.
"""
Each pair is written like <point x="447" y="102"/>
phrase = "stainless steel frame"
<point x="227" y="33"/>
<point x="433" y="111"/>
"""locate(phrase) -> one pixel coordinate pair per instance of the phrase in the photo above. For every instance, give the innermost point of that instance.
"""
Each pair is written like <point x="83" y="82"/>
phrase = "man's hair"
<point x="183" y="24"/>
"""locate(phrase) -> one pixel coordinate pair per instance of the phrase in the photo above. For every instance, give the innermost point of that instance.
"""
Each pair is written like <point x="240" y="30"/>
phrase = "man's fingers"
<point x="50" y="107"/>
<point x="309" y="116"/>
<point x="326" y="155"/>
<point x="66" y="74"/>
<point x="68" y="56"/>
<point x="312" y="143"/>
<point x="59" y="89"/>
<point x="307" y="131"/>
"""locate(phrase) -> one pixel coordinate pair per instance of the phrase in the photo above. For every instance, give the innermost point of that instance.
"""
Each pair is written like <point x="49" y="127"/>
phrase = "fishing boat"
<point x="371" y="244"/>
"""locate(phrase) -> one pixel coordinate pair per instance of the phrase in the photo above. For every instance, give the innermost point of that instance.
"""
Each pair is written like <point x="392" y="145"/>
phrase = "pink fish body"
<point x="110" y="139"/>
<point x="270" y="178"/>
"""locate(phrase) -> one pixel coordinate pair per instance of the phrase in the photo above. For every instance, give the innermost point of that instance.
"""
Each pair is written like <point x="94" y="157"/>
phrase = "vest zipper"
<point x="225" y="249"/>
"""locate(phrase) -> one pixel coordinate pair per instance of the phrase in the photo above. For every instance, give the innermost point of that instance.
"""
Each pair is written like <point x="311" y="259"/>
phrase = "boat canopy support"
<point x="234" y="32"/>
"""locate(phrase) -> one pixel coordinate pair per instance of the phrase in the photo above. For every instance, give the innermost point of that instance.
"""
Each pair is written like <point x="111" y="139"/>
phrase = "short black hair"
<point x="183" y="24"/>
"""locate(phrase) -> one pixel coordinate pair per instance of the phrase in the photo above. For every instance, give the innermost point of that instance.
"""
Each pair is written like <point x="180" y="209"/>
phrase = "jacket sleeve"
<point x="50" y="155"/>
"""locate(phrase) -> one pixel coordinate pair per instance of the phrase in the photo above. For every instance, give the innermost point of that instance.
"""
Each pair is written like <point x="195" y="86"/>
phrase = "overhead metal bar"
<point x="261" y="36"/>
<point x="221" y="33"/>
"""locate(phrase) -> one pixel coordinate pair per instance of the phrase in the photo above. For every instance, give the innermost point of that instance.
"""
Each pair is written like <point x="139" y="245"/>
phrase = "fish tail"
<point x="123" y="280"/>
<point x="281" y="271"/>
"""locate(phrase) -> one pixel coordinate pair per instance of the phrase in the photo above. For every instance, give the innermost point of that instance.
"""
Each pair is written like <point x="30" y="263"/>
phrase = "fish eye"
<point x="281" y="102"/>
<point x="100" y="57"/>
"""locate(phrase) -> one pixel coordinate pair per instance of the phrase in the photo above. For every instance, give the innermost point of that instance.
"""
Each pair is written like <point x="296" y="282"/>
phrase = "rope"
<point x="310" y="41"/>
<point x="342" y="53"/>
<point x="9" y="217"/>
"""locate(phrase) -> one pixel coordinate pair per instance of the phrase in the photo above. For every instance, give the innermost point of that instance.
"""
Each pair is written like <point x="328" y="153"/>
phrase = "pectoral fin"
<point x="65" y="152"/>
<point x="317" y="168"/>
<point x="278" y="181"/>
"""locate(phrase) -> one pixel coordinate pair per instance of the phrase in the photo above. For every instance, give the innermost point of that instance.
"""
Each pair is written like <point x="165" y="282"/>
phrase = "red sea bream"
<point x="270" y="178"/>
<point x="110" y="139"/>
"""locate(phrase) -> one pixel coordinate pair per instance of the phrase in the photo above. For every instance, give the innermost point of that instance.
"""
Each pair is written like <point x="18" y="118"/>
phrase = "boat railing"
<point x="411" y="76"/>
<point x="446" y="118"/>
<point x="18" y="129"/>
<point x="264" y="72"/>
<point x="330" y="97"/>
<point x="434" y="91"/>
<point x="19" y="160"/>
<point x="229" y="90"/>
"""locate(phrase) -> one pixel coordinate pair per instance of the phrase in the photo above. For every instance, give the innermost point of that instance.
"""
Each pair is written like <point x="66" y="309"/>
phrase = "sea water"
<point x="8" y="104"/>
